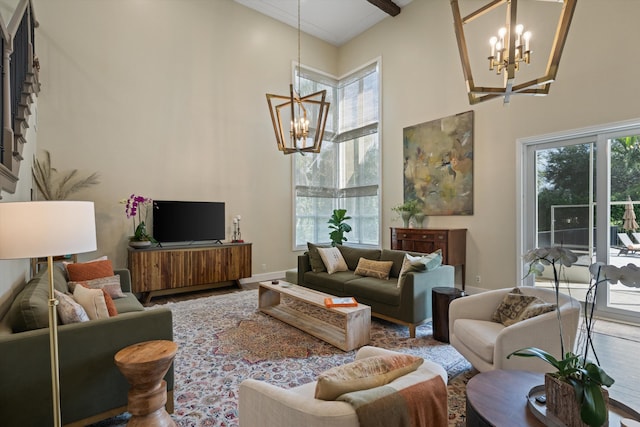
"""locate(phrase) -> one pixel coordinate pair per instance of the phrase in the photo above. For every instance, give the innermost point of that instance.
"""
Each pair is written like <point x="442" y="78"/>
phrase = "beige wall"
<point x="597" y="83"/>
<point x="165" y="98"/>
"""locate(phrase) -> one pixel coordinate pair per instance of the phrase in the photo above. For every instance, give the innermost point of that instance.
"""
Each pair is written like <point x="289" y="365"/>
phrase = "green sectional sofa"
<point x="91" y="386"/>
<point x="408" y="304"/>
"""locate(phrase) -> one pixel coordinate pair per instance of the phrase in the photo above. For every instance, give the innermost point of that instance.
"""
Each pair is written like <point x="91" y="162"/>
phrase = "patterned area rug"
<point x="223" y="339"/>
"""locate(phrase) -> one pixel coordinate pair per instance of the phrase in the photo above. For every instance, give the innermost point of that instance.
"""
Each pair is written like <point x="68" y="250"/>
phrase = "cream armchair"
<point x="265" y="405"/>
<point x="486" y="344"/>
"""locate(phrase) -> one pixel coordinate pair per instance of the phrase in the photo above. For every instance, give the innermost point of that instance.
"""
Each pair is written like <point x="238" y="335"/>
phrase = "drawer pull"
<point x="440" y="237"/>
<point x="404" y="235"/>
<point x="424" y="236"/>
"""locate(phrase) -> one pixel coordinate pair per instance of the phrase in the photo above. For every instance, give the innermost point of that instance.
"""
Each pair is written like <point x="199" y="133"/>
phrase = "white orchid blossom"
<point x="553" y="255"/>
<point x="628" y="275"/>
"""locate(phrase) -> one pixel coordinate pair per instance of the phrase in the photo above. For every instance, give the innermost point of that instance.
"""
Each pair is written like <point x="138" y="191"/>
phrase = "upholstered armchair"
<point x="266" y="405"/>
<point x="486" y="343"/>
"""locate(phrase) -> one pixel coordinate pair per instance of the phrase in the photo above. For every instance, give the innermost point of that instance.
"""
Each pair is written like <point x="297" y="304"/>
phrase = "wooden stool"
<point x="144" y="365"/>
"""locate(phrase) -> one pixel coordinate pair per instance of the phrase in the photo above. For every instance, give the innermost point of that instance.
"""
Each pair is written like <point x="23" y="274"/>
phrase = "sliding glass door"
<point x="581" y="190"/>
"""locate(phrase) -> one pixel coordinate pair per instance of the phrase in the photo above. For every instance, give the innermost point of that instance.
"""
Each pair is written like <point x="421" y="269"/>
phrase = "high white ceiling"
<point x="334" y="21"/>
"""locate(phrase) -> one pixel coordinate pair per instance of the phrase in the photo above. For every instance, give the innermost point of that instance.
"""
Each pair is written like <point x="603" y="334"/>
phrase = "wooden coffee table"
<point x="356" y="330"/>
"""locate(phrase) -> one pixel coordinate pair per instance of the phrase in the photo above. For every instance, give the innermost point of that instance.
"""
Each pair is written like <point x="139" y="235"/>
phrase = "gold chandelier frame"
<point x="539" y="86"/>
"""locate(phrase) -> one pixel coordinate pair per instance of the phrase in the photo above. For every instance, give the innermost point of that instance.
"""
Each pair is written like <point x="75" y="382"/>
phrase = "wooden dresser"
<point x="452" y="241"/>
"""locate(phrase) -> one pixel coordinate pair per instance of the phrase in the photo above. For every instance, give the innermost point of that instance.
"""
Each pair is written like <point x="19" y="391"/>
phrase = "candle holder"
<point x="237" y="235"/>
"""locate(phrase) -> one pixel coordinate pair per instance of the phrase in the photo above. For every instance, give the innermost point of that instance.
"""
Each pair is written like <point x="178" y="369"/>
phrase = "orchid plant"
<point x="586" y="377"/>
<point x="136" y="207"/>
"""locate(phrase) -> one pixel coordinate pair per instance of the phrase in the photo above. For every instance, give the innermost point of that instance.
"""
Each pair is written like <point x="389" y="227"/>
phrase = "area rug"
<point x="224" y="339"/>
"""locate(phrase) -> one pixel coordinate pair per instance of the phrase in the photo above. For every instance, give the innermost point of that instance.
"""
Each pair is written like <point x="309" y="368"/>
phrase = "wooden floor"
<point x="616" y="344"/>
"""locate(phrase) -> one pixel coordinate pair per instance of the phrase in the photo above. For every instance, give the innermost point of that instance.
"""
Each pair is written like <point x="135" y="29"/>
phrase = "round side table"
<point x="144" y="365"/>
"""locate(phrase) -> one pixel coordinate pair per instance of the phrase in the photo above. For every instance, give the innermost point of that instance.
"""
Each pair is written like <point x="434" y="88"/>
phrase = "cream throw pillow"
<point x="364" y="374"/>
<point x="333" y="260"/>
<point x="377" y="269"/>
<point x="93" y="302"/>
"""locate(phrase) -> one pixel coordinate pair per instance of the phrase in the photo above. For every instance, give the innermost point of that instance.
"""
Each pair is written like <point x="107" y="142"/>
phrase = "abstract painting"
<point x="438" y="165"/>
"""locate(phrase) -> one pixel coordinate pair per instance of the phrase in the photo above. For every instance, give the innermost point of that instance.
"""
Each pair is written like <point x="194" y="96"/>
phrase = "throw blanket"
<point x="421" y="405"/>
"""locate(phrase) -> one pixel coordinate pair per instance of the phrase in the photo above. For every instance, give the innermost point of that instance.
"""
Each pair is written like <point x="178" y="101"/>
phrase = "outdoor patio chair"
<point x="627" y="245"/>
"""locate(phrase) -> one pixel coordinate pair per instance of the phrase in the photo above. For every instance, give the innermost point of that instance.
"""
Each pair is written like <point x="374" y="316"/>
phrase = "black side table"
<point x="441" y="297"/>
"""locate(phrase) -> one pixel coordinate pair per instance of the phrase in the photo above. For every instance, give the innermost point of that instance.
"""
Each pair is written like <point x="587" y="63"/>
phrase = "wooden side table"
<point x="499" y="398"/>
<point x="441" y="297"/>
<point x="144" y="365"/>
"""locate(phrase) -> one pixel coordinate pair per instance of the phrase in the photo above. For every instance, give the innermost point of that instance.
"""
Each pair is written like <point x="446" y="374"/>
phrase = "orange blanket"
<point x="421" y="405"/>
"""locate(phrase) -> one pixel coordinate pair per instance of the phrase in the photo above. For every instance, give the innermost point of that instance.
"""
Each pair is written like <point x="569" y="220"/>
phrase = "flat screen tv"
<point x="184" y="221"/>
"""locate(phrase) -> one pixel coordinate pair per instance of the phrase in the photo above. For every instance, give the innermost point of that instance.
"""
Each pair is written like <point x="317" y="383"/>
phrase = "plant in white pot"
<point x="585" y="377"/>
<point x="408" y="209"/>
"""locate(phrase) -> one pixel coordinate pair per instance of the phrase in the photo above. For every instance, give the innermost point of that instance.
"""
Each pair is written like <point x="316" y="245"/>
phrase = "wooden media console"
<point x="160" y="271"/>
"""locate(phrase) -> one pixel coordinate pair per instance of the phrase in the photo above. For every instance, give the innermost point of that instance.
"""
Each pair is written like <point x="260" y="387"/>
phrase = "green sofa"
<point x="409" y="304"/>
<point x="91" y="386"/>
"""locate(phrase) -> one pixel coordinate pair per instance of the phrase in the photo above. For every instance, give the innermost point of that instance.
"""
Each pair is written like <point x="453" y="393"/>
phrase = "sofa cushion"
<point x="479" y="335"/>
<point x="333" y="260"/>
<point x="92" y="300"/>
<point x="370" y="268"/>
<point x="364" y="374"/>
<point x="128" y="304"/>
<point x="419" y="263"/>
<point x="69" y="310"/>
<point x="397" y="257"/>
<point x="536" y="308"/>
<point x="352" y="255"/>
<point x="331" y="283"/>
<point x="30" y="308"/>
<point x="371" y="289"/>
<point x="512" y="306"/>
<point x="110" y="284"/>
<point x="79" y="272"/>
<point x="317" y="266"/>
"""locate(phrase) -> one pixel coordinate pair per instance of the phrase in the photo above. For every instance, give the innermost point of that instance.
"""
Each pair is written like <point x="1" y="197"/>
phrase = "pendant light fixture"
<point x="298" y="121"/>
<point x="509" y="50"/>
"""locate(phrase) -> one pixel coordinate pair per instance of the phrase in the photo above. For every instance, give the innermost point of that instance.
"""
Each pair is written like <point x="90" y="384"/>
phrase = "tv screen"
<point x="182" y="221"/>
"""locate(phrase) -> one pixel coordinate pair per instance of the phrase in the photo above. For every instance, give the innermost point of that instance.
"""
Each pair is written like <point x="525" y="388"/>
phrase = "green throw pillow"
<point x="317" y="266"/>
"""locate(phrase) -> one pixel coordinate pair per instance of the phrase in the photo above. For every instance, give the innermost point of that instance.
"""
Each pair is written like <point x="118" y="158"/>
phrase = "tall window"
<point x="346" y="172"/>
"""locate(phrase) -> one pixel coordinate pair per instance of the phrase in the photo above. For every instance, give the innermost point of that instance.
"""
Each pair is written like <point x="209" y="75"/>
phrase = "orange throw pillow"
<point x="79" y="272"/>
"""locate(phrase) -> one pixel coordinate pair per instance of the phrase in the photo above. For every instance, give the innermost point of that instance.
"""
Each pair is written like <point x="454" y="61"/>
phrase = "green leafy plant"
<point x="54" y="185"/>
<point x="338" y="226"/>
<point x="411" y="206"/>
<point x="586" y="378"/>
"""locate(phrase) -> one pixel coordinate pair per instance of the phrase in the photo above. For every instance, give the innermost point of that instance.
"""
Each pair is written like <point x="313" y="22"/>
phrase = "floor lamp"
<point x="47" y="229"/>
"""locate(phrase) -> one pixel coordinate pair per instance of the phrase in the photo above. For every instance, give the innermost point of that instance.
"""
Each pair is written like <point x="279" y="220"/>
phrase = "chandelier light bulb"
<point x="519" y="29"/>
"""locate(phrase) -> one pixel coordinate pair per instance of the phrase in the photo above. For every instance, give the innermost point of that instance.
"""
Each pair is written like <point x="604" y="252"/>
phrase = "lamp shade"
<point x="48" y="228"/>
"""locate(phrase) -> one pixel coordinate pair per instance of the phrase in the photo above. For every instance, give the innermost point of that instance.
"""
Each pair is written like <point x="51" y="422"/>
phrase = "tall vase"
<point x="406" y="216"/>
<point x="419" y="217"/>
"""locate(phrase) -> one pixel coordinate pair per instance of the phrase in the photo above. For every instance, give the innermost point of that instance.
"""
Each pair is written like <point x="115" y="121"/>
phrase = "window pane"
<point x="345" y="174"/>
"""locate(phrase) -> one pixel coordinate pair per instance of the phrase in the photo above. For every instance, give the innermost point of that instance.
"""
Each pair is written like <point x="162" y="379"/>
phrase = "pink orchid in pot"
<point x="574" y="368"/>
<point x="136" y="207"/>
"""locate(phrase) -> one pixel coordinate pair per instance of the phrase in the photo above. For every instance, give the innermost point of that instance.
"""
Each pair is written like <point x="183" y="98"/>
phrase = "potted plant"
<point x="338" y="226"/>
<point x="137" y="207"/>
<point x="585" y="377"/>
<point x="408" y="209"/>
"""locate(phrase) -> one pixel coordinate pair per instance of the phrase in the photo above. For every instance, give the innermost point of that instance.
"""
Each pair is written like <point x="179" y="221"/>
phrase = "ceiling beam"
<point x="387" y="6"/>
